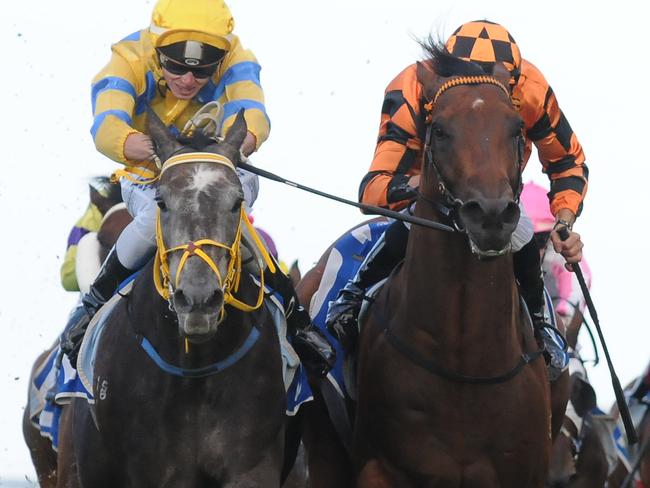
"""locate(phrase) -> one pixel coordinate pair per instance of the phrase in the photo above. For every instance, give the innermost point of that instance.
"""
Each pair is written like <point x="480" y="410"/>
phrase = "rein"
<point x="451" y="204"/>
<point x="228" y="283"/>
<point x="439" y="370"/>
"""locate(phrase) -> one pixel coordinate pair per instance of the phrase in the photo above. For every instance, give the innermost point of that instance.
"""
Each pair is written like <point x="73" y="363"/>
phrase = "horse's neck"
<point x="152" y="317"/>
<point x="454" y="301"/>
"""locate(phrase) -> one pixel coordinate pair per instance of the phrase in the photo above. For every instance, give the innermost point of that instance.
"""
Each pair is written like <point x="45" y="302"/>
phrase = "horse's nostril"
<point x="215" y="300"/>
<point x="180" y="300"/>
<point x="511" y="213"/>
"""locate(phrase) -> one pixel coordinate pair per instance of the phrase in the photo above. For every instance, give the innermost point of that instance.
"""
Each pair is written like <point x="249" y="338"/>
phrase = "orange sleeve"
<point x="558" y="148"/>
<point x="399" y="148"/>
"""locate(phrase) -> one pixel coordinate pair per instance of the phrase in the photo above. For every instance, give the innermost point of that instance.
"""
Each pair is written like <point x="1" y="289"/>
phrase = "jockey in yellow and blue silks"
<point x="187" y="59"/>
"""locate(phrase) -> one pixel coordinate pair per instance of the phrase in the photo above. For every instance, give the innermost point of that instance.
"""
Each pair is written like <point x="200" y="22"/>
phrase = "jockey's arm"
<point x="394" y="171"/>
<point x="559" y="152"/>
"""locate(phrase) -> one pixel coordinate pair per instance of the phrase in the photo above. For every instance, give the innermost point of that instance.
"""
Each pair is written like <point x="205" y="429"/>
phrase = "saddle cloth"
<point x="56" y="382"/>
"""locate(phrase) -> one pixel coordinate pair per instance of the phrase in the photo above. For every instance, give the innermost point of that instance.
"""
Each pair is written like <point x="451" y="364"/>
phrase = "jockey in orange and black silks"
<point x="399" y="148"/>
<point x="394" y="174"/>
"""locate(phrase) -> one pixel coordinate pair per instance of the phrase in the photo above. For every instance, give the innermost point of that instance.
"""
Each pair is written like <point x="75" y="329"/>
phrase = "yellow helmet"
<point x="485" y="42"/>
<point x="203" y="21"/>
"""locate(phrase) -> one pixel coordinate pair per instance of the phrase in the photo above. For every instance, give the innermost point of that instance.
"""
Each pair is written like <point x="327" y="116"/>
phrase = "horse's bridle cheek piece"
<point x="230" y="283"/>
<point x="451" y="203"/>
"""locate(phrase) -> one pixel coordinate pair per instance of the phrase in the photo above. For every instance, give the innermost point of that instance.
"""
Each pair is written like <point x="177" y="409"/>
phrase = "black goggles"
<point x="199" y="72"/>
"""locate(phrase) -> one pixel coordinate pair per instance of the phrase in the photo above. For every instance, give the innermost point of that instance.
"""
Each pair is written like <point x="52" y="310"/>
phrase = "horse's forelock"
<point x="446" y="64"/>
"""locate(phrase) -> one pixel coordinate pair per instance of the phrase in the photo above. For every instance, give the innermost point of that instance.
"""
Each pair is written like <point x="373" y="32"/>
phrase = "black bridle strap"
<point x="437" y="369"/>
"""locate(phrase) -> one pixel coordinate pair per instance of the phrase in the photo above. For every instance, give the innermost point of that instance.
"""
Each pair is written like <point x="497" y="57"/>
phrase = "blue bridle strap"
<point x="206" y="370"/>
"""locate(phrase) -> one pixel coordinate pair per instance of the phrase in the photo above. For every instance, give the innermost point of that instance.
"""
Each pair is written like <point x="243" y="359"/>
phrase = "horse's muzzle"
<point x="489" y="223"/>
<point x="199" y="314"/>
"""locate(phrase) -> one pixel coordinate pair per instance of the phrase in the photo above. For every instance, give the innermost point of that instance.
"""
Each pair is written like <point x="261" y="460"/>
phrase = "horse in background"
<point x="187" y="392"/>
<point x="93" y="247"/>
<point x="584" y="455"/>
<point x="91" y="252"/>
<point x="639" y="456"/>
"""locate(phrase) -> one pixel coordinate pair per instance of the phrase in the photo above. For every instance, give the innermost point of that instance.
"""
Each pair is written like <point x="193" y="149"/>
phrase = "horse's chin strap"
<point x="230" y="283"/>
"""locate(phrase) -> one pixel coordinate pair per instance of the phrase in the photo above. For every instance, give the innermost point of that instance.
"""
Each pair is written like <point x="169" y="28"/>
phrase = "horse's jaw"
<point x="198" y="327"/>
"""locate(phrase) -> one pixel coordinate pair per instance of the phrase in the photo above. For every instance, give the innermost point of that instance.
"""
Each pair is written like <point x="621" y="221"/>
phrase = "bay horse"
<point x="452" y="391"/>
<point x="91" y="252"/>
<point x="188" y="393"/>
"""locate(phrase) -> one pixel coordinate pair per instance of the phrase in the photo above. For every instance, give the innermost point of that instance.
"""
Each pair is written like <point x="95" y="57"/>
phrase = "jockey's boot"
<point x="642" y="385"/>
<point x="528" y="272"/>
<point x="111" y="274"/>
<point x="343" y="313"/>
<point x="314" y="350"/>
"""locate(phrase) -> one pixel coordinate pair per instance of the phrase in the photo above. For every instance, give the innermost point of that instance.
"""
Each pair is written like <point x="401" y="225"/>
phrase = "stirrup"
<point x="555" y="349"/>
<point x="312" y="346"/>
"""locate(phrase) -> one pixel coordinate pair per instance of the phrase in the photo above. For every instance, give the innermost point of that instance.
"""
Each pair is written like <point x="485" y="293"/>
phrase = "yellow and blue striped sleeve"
<point x="114" y="96"/>
<point x="240" y="88"/>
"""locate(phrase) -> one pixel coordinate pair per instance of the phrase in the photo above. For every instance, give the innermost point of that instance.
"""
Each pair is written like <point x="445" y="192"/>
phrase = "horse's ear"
<point x="501" y="73"/>
<point x="428" y="79"/>
<point x="237" y="132"/>
<point x="164" y="142"/>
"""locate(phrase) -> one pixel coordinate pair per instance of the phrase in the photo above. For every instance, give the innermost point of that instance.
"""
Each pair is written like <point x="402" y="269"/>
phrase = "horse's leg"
<point x="266" y="474"/>
<point x="560" y="391"/>
<point x="294" y="473"/>
<point x="298" y="476"/>
<point x="40" y="449"/>
<point x="93" y="466"/>
<point x="68" y="476"/>
<point x="328" y="461"/>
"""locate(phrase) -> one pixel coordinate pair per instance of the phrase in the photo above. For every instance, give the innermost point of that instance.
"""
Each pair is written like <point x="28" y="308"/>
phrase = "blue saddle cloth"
<point x="345" y="259"/>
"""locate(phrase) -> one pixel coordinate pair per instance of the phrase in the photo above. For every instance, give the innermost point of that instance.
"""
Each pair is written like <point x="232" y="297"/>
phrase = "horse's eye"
<point x="439" y="132"/>
<point x="237" y="206"/>
<point x="161" y="204"/>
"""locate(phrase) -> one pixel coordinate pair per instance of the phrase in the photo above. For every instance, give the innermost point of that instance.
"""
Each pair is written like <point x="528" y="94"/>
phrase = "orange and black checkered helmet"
<point x="485" y="43"/>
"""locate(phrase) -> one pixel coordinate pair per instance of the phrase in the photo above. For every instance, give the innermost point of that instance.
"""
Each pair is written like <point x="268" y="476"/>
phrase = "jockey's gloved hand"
<point x="77" y="325"/>
<point x="342" y="316"/>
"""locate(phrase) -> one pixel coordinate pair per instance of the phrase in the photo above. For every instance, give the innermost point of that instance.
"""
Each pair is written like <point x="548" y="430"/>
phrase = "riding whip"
<point x="369" y="208"/>
<point x="632" y="437"/>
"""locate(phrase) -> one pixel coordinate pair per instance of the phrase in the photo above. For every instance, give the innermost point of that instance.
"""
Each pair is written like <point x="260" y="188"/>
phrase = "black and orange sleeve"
<point x="398" y="151"/>
<point x="557" y="146"/>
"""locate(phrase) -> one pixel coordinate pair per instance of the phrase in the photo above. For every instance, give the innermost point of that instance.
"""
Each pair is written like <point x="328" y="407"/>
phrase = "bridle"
<point x="229" y="282"/>
<point x="450" y="204"/>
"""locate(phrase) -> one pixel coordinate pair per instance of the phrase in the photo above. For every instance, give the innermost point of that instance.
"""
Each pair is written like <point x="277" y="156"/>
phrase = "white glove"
<point x="251" y="185"/>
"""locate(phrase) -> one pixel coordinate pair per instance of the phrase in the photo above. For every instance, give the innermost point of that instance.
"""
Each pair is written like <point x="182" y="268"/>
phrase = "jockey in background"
<point x="394" y="175"/>
<point x="192" y="71"/>
<point x="271" y="247"/>
<point x="103" y="196"/>
<point x="561" y="284"/>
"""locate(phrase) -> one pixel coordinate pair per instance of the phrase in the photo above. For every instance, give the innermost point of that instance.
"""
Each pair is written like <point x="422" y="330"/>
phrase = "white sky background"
<point x="325" y="66"/>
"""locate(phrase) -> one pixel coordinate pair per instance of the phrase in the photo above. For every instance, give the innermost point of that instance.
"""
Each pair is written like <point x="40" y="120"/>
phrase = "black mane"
<point x="446" y="64"/>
